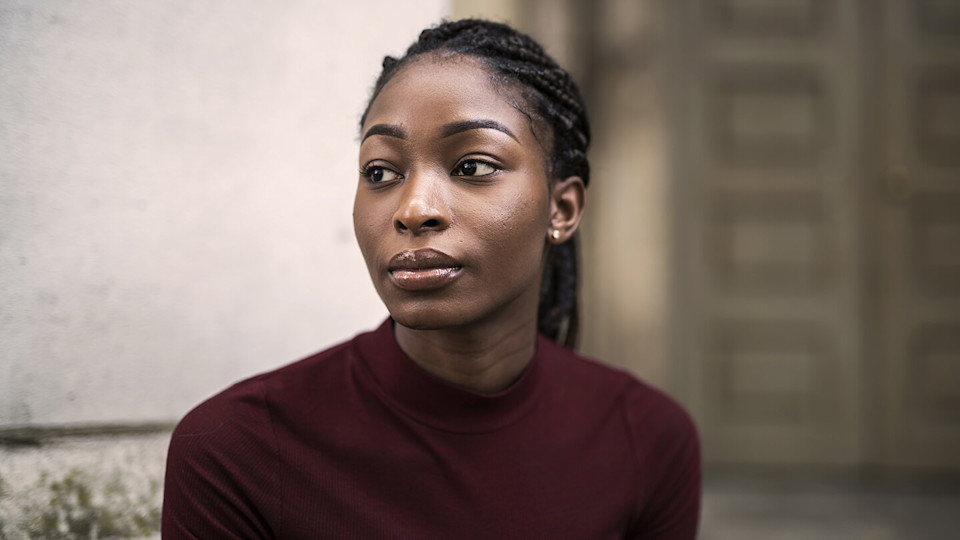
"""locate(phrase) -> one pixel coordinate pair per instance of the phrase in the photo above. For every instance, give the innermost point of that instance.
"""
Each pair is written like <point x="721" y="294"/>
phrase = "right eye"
<point x="378" y="175"/>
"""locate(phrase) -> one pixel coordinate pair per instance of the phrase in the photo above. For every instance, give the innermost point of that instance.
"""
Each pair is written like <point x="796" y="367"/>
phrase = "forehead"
<point x="452" y="87"/>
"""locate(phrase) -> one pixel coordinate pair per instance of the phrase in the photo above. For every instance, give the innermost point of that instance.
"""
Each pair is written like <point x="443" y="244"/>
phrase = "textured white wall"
<point x="176" y="182"/>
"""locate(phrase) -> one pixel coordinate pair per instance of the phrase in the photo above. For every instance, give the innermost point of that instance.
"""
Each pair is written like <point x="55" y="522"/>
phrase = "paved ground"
<point x="748" y="507"/>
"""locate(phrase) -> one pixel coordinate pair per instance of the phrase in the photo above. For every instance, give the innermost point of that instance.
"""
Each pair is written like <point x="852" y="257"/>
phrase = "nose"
<point x="423" y="205"/>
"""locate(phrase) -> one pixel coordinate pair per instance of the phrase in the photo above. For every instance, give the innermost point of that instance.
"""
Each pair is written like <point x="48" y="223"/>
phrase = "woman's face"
<point x="452" y="210"/>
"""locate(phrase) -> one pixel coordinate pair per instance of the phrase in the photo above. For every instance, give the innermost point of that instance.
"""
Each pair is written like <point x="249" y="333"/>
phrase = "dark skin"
<point x="454" y="213"/>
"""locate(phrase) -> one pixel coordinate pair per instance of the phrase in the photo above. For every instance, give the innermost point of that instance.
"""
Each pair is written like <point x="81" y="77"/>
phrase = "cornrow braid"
<point x="554" y="101"/>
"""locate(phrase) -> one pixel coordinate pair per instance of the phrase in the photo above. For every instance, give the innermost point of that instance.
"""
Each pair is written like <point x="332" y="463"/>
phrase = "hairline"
<point x="542" y="130"/>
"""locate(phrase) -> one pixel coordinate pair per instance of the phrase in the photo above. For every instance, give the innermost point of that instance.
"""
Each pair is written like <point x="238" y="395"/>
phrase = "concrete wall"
<point x="176" y="183"/>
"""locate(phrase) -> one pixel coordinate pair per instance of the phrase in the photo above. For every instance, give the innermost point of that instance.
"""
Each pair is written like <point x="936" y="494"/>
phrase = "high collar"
<point x="413" y="391"/>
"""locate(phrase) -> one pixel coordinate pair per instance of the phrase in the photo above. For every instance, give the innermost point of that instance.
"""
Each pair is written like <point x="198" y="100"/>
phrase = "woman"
<point x="454" y="419"/>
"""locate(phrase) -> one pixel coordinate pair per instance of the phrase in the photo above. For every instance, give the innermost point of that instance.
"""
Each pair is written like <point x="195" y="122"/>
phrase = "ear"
<point x="567" y="197"/>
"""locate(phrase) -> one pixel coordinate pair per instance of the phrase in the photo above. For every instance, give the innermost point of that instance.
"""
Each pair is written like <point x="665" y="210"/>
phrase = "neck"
<point x="483" y="358"/>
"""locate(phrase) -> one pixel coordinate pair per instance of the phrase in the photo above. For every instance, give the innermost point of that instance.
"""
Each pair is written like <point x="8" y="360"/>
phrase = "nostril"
<point x="430" y="223"/>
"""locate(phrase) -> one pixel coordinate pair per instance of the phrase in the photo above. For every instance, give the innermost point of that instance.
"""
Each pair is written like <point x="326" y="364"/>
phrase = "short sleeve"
<point x="222" y="477"/>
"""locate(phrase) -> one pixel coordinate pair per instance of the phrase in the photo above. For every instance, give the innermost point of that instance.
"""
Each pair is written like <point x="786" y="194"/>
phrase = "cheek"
<point x="530" y="208"/>
<point x="366" y="224"/>
<point x="516" y="224"/>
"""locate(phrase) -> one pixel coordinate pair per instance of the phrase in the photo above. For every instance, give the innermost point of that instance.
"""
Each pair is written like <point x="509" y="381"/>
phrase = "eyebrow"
<point x="449" y="130"/>
<point x="385" y="129"/>
<point x="466" y="125"/>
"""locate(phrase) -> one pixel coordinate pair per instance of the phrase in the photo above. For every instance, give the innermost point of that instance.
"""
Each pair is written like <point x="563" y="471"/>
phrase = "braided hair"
<point x="553" y="100"/>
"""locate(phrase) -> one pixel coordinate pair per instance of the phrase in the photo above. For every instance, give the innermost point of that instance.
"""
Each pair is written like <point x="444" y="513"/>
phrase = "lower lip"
<point x="426" y="279"/>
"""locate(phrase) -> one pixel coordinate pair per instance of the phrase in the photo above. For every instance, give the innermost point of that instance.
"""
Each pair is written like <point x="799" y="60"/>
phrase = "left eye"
<point x="473" y="167"/>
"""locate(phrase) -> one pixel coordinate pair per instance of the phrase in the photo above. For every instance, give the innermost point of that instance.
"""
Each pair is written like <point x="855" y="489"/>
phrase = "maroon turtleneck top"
<point x="359" y="442"/>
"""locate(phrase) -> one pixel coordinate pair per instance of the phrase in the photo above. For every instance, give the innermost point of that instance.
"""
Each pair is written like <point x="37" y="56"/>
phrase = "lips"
<point x="423" y="269"/>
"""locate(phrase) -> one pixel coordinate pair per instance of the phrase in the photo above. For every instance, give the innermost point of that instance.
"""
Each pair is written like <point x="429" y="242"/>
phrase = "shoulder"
<point x="653" y="414"/>
<point x="656" y="421"/>
<point x="221" y="466"/>
<point x="646" y="407"/>
<point x="660" y="427"/>
<point x="224" y="460"/>
<point x="578" y="373"/>
<point x="247" y="403"/>
<point x="665" y="449"/>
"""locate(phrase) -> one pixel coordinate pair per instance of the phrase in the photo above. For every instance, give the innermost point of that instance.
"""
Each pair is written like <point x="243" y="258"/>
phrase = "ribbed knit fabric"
<point x="358" y="442"/>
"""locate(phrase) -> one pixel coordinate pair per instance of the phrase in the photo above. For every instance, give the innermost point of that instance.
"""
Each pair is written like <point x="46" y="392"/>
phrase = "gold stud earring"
<point x="555" y="234"/>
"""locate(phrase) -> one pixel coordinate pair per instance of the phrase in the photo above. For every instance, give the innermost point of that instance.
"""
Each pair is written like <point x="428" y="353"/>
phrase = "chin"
<point x="432" y="313"/>
<point x="423" y="311"/>
<point x="423" y="319"/>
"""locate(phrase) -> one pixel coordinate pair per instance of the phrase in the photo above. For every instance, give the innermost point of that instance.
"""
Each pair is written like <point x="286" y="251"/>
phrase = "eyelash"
<point x="477" y="162"/>
<point x="368" y="171"/>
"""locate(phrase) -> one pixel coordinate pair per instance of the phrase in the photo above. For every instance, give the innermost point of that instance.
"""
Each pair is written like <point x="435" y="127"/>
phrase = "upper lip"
<point x="421" y="259"/>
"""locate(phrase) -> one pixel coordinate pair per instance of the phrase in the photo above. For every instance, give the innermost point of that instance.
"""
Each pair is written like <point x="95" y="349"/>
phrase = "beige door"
<point x="913" y="191"/>
<point x="817" y="224"/>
